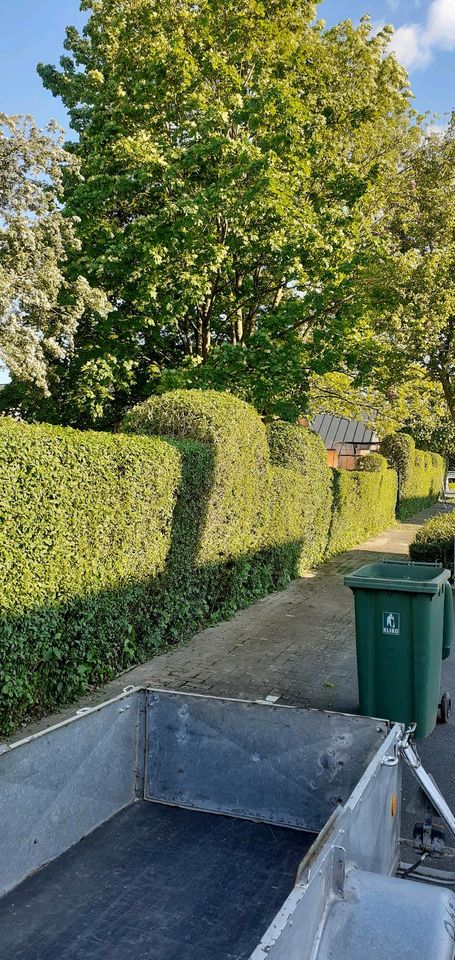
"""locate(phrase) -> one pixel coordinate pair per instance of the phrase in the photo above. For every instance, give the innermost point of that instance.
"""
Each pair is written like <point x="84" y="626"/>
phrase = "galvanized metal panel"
<point x="286" y="765"/>
<point x="372" y="816"/>
<point x="383" y="918"/>
<point x="364" y="834"/>
<point x="58" y="785"/>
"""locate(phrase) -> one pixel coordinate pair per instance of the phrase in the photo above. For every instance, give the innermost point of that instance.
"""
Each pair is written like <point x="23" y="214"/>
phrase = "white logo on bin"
<point x="391" y="624"/>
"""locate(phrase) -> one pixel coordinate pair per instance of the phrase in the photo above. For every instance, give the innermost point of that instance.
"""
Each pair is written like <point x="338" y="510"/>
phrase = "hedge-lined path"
<point x="298" y="644"/>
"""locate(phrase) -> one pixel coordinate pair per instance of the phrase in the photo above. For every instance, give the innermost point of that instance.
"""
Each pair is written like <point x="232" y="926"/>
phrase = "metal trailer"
<point x="164" y="825"/>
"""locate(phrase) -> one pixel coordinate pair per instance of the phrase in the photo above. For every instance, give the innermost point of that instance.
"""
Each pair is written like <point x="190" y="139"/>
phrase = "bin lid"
<point x="402" y="575"/>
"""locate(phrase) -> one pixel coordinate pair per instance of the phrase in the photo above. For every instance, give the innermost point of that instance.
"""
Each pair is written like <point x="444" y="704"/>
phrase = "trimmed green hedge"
<point x="434" y="541"/>
<point x="85" y="525"/>
<point x="338" y="508"/>
<point x="364" y="504"/>
<point x="372" y="463"/>
<point x="310" y="494"/>
<point x="311" y="506"/>
<point x="421" y="474"/>
<point x="235" y="512"/>
<point x="112" y="546"/>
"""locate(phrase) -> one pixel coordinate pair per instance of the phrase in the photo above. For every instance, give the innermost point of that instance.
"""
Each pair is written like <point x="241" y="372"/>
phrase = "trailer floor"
<point x="155" y="883"/>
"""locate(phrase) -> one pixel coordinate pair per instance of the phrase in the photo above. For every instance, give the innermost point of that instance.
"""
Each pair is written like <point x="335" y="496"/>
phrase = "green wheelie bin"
<point x="404" y="627"/>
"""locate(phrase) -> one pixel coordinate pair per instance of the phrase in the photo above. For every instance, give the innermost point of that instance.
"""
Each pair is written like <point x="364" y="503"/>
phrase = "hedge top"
<point x="236" y="510"/>
<point x="399" y="451"/>
<point x="435" y="541"/>
<point x="372" y="463"/>
<point x="297" y="447"/>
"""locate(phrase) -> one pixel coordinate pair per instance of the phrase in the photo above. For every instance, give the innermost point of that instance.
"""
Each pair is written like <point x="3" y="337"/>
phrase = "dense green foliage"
<point x="303" y="453"/>
<point x="372" y="463"/>
<point x="414" y="405"/>
<point x="435" y="541"/>
<point x="415" y="280"/>
<point x="113" y="545"/>
<point x="260" y="206"/>
<point x="235" y="514"/>
<point x="421" y="473"/>
<point x="85" y="524"/>
<point x="236" y="161"/>
<point x="441" y="438"/>
<point x="364" y="503"/>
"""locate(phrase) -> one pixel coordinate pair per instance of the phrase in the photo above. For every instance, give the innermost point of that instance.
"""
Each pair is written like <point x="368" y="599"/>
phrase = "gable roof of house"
<point x="336" y="431"/>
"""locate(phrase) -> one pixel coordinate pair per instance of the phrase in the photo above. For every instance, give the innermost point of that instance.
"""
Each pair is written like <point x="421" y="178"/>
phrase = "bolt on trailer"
<point x="164" y="825"/>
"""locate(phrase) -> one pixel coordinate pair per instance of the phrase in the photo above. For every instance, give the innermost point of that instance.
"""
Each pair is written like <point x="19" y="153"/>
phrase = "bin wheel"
<point x="445" y="707"/>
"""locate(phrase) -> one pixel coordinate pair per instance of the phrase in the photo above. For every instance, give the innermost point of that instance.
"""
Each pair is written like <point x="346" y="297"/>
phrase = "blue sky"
<point x="33" y="30"/>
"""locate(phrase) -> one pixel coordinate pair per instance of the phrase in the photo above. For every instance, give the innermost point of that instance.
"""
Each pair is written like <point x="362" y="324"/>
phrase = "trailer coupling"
<point x="428" y="836"/>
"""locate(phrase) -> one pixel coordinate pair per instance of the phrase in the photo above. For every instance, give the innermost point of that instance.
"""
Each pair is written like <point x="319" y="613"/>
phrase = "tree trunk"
<point x="449" y="391"/>
<point x="205" y="340"/>
<point x="238" y="326"/>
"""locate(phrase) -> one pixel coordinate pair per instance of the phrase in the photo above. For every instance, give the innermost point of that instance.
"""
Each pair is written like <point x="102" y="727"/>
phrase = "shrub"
<point x="235" y="518"/>
<point x="85" y="528"/>
<point x="299" y="450"/>
<point x="100" y="547"/>
<point x="421" y="474"/>
<point x="434" y="541"/>
<point x="364" y="504"/>
<point x="399" y="451"/>
<point x="372" y="463"/>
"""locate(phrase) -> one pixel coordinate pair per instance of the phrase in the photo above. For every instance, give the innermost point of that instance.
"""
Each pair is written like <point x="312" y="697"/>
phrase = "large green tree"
<point x="415" y="405"/>
<point x="416" y="280"/>
<point x="40" y="303"/>
<point x="236" y="157"/>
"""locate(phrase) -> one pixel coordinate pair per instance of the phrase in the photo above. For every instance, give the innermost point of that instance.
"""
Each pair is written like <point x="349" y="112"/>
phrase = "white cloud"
<point x="441" y="24"/>
<point x="409" y="44"/>
<point x="415" y="44"/>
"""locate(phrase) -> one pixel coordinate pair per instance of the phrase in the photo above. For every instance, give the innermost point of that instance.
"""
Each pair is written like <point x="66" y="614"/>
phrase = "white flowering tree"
<point x="39" y="305"/>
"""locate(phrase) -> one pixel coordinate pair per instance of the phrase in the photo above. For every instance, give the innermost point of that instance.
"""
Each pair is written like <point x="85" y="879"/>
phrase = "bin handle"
<point x="448" y="628"/>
